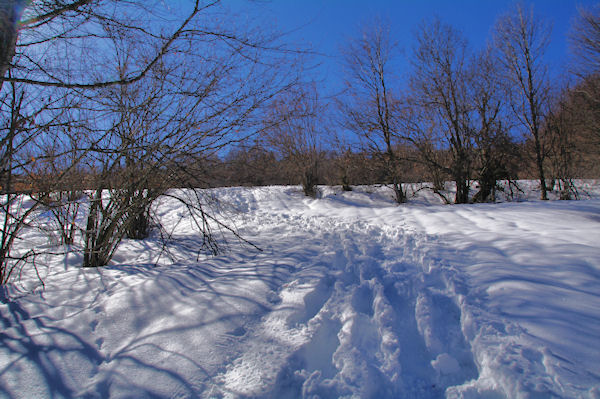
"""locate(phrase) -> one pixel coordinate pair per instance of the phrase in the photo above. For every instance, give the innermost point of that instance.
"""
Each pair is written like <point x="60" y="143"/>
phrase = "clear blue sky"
<point x="326" y="24"/>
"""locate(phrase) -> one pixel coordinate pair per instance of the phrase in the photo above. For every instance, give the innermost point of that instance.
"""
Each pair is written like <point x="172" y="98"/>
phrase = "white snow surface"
<point x="352" y="296"/>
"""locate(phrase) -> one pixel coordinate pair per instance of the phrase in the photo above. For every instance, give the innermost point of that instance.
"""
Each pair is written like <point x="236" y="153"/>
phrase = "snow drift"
<point x="352" y="296"/>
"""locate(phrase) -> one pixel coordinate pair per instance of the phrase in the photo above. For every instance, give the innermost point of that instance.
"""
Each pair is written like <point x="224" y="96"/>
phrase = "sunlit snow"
<point x="351" y="296"/>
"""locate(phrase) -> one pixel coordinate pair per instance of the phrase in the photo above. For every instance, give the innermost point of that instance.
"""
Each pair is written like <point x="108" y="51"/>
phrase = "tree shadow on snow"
<point x="132" y="329"/>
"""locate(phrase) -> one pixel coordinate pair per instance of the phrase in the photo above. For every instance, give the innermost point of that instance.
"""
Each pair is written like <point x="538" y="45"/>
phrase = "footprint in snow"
<point x="273" y="298"/>
<point x="238" y="332"/>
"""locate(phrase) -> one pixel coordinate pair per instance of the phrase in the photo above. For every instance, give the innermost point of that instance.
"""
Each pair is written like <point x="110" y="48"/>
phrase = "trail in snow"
<point x="360" y="318"/>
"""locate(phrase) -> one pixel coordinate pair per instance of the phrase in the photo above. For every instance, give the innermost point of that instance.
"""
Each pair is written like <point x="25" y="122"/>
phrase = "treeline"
<point x="458" y="114"/>
<point x="254" y="163"/>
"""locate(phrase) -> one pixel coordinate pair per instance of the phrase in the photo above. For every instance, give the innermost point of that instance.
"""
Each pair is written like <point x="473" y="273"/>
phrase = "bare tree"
<point x="370" y="106"/>
<point x="294" y="129"/>
<point x="440" y="83"/>
<point x="494" y="147"/>
<point x="522" y="39"/>
<point x="584" y="102"/>
<point x="192" y="104"/>
<point x="51" y="52"/>
<point x="58" y="184"/>
<point x="572" y="134"/>
<point x="14" y="213"/>
<point x="585" y="41"/>
<point x="584" y="98"/>
<point x="560" y="132"/>
<point x="75" y="30"/>
<point x="148" y="94"/>
<point x="25" y="116"/>
<point x="343" y="163"/>
<point x="9" y="17"/>
<point x="252" y="163"/>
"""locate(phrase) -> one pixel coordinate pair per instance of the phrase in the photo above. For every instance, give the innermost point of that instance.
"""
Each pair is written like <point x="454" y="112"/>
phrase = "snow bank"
<point x="352" y="296"/>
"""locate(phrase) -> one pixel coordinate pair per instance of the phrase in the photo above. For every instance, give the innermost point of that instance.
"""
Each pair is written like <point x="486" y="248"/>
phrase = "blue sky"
<point x="327" y="24"/>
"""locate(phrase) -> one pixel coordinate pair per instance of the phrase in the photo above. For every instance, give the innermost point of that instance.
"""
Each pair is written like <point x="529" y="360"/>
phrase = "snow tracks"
<point x="363" y="315"/>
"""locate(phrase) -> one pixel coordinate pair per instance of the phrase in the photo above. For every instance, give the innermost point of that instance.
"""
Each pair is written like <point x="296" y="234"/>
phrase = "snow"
<point x="352" y="296"/>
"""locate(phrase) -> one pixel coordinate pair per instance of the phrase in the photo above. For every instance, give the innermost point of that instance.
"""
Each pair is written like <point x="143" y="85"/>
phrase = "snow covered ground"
<point x="352" y="296"/>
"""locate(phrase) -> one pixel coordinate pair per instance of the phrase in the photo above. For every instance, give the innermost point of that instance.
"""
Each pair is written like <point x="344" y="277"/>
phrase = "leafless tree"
<point x="571" y="132"/>
<point x="369" y="105"/>
<point x="56" y="43"/>
<point x="193" y="103"/>
<point x="58" y="185"/>
<point x="14" y="213"/>
<point x="440" y="84"/>
<point x="344" y="164"/>
<point x="522" y="39"/>
<point x="25" y="115"/>
<point x="147" y="93"/>
<point x="584" y="102"/>
<point x="585" y="96"/>
<point x="252" y="163"/>
<point x="561" y="136"/>
<point x="51" y="51"/>
<point x="585" y="41"/>
<point x="494" y="147"/>
<point x="295" y="127"/>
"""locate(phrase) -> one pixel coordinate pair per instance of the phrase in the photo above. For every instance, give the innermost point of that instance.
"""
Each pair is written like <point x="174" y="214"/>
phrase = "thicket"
<point x="107" y="104"/>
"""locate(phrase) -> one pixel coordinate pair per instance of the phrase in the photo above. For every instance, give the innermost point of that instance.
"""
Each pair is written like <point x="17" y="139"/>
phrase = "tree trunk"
<point x="310" y="180"/>
<point x="9" y="17"/>
<point x="461" y="175"/>
<point x="92" y="252"/>
<point x="399" y="192"/>
<point x="486" y="186"/>
<point x="540" y="167"/>
<point x="462" y="191"/>
<point x="138" y="224"/>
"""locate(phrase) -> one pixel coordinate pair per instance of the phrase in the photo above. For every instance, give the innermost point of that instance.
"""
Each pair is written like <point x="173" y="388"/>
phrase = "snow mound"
<point x="351" y="296"/>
